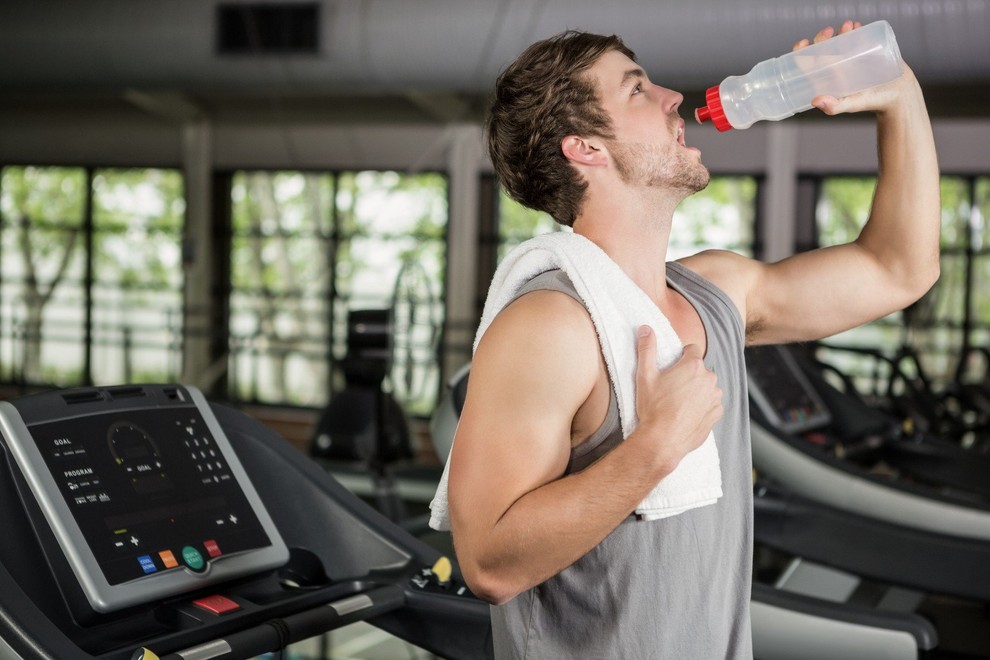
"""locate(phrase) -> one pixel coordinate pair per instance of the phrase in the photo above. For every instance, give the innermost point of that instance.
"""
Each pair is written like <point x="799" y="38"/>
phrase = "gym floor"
<point x="358" y="641"/>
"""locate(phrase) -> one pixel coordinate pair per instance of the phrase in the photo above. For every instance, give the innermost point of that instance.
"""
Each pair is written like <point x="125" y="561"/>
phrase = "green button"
<point x="192" y="558"/>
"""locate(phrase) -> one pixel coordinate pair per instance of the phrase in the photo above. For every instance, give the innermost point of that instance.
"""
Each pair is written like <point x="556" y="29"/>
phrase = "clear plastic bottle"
<point x="783" y="86"/>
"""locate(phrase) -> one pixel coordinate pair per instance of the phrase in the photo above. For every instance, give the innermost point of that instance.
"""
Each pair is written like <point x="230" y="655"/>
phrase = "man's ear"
<point x="583" y="151"/>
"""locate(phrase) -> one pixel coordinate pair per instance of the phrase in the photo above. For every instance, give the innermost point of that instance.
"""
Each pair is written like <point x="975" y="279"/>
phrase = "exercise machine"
<point x="862" y="512"/>
<point x="362" y="436"/>
<point x="142" y="521"/>
<point x="819" y="443"/>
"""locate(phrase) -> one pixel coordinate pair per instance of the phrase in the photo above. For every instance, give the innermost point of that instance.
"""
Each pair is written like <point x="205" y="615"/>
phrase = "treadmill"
<point x="822" y="444"/>
<point x="851" y="512"/>
<point x="142" y="521"/>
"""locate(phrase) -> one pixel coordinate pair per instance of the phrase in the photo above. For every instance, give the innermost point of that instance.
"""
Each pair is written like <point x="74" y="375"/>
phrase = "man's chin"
<point x="696" y="180"/>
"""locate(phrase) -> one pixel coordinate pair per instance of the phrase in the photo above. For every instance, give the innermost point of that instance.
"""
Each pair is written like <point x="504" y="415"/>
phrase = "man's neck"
<point x="634" y="230"/>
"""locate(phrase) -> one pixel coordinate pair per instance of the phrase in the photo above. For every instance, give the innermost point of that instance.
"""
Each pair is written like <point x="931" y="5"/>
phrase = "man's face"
<point x="648" y="149"/>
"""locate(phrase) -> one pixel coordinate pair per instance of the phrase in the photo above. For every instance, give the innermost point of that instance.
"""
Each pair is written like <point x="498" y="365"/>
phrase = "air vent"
<point x="126" y="392"/>
<point x="268" y="28"/>
<point x="82" y="396"/>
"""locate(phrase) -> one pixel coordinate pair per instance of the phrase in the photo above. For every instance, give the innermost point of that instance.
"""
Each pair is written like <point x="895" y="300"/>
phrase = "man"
<point x="577" y="129"/>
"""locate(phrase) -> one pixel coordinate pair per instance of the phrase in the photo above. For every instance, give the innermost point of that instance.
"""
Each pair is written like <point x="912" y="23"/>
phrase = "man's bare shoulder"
<point x="733" y="273"/>
<point x="541" y="321"/>
<point x="718" y="263"/>
<point x="542" y="337"/>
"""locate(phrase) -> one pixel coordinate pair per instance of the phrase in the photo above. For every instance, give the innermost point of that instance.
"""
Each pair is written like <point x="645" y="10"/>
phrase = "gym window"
<point x="308" y="248"/>
<point x="938" y="337"/>
<point x="722" y="216"/>
<point x="91" y="275"/>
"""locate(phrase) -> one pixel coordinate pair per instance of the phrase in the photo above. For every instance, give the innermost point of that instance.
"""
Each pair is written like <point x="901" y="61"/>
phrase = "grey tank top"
<point x="678" y="587"/>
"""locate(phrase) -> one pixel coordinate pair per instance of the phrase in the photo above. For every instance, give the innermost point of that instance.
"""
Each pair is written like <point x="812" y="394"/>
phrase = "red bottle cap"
<point x="713" y="111"/>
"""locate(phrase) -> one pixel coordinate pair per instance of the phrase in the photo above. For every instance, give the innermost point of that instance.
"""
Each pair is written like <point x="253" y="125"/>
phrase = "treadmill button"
<point x="147" y="564"/>
<point x="212" y="548"/>
<point x="442" y="570"/>
<point x="217" y="604"/>
<point x="192" y="558"/>
<point x="168" y="559"/>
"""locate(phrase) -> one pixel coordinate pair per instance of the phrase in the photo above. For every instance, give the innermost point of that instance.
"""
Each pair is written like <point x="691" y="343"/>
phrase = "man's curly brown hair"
<point x="540" y="99"/>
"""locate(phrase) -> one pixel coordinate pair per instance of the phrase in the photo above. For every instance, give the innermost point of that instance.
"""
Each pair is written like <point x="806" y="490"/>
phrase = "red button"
<point x="217" y="604"/>
<point x="212" y="548"/>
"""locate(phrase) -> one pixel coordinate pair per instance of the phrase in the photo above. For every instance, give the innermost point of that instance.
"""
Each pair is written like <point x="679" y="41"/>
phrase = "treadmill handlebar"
<point x="276" y="634"/>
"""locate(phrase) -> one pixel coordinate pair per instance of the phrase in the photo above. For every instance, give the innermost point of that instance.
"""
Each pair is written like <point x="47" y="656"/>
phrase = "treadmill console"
<point x="781" y="391"/>
<point x="141" y="491"/>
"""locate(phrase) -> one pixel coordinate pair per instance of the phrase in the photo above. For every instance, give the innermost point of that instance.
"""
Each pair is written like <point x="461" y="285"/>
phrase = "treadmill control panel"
<point x="780" y="389"/>
<point x="143" y="493"/>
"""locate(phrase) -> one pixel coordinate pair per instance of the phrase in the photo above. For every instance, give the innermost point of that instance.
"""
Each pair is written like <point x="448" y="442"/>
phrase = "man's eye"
<point x="637" y="89"/>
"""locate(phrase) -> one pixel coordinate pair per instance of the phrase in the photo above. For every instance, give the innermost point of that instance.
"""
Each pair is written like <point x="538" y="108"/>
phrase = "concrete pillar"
<point x="779" y="210"/>
<point x="198" y="255"/>
<point x="464" y="160"/>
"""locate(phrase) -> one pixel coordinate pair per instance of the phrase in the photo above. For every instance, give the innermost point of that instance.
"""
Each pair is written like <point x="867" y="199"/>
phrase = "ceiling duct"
<point x="268" y="28"/>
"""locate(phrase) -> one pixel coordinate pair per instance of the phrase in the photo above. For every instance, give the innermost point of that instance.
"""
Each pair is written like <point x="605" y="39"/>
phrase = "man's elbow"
<point x="907" y="283"/>
<point x="923" y="279"/>
<point x="487" y="567"/>
<point x="488" y="585"/>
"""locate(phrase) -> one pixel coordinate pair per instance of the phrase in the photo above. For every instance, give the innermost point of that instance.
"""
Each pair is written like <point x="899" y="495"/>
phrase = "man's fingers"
<point x="827" y="33"/>
<point x="646" y="345"/>
<point x="824" y="34"/>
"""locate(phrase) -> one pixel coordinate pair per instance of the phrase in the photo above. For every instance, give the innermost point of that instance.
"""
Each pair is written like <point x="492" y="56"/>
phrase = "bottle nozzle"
<point x="712" y="111"/>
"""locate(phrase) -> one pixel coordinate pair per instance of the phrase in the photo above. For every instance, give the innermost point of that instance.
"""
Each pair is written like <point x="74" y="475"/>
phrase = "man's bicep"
<point x="807" y="296"/>
<point x="528" y="378"/>
<point x="822" y="292"/>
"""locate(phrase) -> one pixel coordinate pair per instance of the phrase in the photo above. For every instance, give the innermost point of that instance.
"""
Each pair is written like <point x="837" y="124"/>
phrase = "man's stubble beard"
<point x="645" y="165"/>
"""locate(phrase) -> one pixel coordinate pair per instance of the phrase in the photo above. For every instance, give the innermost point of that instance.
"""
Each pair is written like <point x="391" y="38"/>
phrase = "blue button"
<point x="147" y="565"/>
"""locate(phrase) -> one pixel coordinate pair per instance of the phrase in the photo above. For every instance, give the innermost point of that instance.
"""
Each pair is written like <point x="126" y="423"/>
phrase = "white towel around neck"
<point x="618" y="307"/>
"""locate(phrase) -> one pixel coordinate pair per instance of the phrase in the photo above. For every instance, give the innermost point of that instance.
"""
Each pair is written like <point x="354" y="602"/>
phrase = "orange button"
<point x="168" y="559"/>
<point x="217" y="604"/>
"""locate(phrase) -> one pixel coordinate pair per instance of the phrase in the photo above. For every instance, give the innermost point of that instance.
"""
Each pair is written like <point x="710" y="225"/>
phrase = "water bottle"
<point x="782" y="86"/>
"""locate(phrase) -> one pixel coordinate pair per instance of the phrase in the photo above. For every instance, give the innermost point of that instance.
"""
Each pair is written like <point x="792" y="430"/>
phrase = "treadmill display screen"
<point x="783" y="394"/>
<point x="150" y="490"/>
